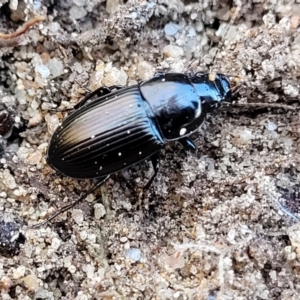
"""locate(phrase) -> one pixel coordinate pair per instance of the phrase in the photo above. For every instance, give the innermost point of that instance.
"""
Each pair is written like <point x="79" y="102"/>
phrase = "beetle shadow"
<point x="127" y="177"/>
<point x="144" y="197"/>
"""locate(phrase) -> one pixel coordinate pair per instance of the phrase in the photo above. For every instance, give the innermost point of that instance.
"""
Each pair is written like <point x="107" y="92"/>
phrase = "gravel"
<point x="218" y="224"/>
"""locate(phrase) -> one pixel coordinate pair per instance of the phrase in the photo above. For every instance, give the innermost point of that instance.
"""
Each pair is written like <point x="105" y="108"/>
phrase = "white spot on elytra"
<point x="128" y="131"/>
<point x="100" y="168"/>
<point x="182" y="131"/>
<point x="164" y="79"/>
<point x="140" y="152"/>
<point x="96" y="162"/>
<point x="120" y="154"/>
<point x="92" y="136"/>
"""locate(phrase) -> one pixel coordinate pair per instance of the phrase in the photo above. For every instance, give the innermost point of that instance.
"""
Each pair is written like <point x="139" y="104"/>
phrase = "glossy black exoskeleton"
<point x="126" y="126"/>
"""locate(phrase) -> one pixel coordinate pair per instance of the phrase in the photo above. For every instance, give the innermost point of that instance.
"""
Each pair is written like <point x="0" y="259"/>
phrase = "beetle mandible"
<point x="126" y="126"/>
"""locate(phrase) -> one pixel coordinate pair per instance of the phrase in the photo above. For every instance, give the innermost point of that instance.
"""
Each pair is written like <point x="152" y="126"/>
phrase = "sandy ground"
<point x="217" y="224"/>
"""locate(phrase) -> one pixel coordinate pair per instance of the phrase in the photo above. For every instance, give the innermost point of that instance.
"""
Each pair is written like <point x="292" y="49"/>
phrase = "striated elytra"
<point x="122" y="127"/>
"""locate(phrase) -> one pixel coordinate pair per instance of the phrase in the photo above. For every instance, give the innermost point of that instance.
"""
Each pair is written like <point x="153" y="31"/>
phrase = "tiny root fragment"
<point x="23" y="29"/>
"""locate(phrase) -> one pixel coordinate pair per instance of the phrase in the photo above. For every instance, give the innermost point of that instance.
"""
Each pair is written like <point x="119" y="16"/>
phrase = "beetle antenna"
<point x="69" y="206"/>
<point x="259" y="105"/>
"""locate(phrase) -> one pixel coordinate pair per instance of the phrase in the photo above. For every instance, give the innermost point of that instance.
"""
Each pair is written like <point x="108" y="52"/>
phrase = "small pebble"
<point x="37" y="4"/>
<point x="43" y="71"/>
<point x="79" y="2"/>
<point x="5" y="283"/>
<point x="246" y="134"/>
<point x="133" y="254"/>
<point x="3" y="195"/>
<point x="271" y="126"/>
<point x="90" y="198"/>
<point x="31" y="282"/>
<point x="123" y="239"/>
<point x="115" y="77"/>
<point x="35" y="157"/>
<point x="173" y="51"/>
<point x="172" y="262"/>
<point x="291" y="90"/>
<point x="43" y="294"/>
<point x="194" y="16"/>
<point x="52" y="122"/>
<point x="99" y="211"/>
<point x="112" y="6"/>
<point x="176" y="295"/>
<point x="19" y="272"/>
<point x="191" y="32"/>
<point x="77" y="216"/>
<point x="35" y="120"/>
<point x="8" y="179"/>
<point x="56" y="67"/>
<point x="13" y="4"/>
<point x="83" y="235"/>
<point x="145" y="70"/>
<point x="77" y="12"/>
<point x="55" y="244"/>
<point x="171" y="29"/>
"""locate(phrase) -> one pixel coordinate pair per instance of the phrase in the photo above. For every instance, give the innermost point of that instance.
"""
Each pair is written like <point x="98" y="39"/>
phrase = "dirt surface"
<point x="222" y="223"/>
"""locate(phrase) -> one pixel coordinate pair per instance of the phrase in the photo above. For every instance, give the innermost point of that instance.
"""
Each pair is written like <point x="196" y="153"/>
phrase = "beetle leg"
<point x="102" y="91"/>
<point x="69" y="206"/>
<point x="187" y="144"/>
<point x="155" y="163"/>
<point x="98" y="92"/>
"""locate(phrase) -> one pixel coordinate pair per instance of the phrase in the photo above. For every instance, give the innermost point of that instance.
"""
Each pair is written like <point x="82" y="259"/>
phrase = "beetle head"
<point x="179" y="102"/>
<point x="212" y="89"/>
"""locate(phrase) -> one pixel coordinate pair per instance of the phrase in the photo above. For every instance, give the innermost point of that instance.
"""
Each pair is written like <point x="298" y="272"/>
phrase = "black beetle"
<point x="123" y="127"/>
<point x="126" y="126"/>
